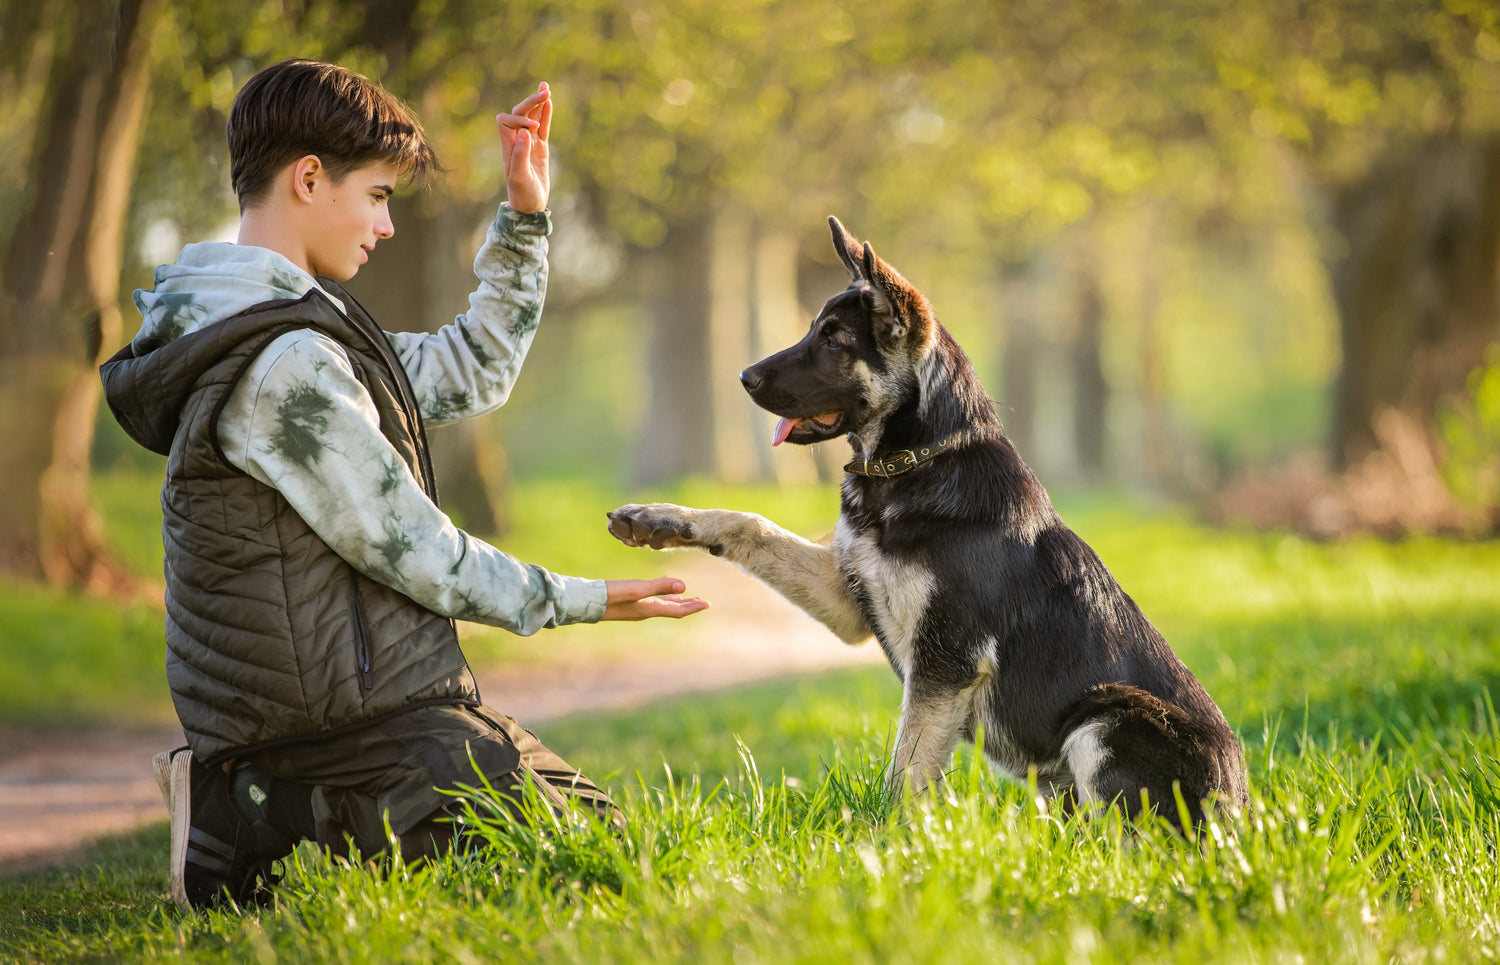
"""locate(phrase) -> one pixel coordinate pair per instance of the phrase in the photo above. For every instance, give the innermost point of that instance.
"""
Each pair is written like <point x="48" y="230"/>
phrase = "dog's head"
<point x="856" y="363"/>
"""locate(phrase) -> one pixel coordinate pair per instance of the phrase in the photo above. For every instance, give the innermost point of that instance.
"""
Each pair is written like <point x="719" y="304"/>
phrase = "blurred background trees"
<point x="1243" y="253"/>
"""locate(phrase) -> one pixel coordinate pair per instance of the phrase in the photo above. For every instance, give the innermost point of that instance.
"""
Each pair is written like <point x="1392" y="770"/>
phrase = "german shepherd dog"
<point x="990" y="610"/>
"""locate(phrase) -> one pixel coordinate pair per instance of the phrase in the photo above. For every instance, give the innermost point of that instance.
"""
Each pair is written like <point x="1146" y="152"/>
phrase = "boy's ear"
<point x="307" y="171"/>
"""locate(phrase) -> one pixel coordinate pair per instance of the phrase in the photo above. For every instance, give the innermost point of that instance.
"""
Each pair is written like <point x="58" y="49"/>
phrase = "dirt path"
<point x="58" y="790"/>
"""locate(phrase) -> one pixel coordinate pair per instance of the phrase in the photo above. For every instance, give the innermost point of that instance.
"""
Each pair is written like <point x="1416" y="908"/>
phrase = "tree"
<point x="62" y="278"/>
<point x="1392" y="109"/>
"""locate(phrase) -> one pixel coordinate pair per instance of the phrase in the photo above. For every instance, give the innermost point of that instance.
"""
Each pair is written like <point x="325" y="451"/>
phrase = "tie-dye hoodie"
<point x="300" y="422"/>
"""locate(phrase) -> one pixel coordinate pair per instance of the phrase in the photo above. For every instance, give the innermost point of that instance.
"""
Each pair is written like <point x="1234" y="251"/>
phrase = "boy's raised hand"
<point x="644" y="599"/>
<point x="523" y="143"/>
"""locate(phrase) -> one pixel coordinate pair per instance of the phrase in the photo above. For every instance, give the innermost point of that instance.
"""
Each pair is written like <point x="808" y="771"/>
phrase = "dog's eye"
<point x="837" y="341"/>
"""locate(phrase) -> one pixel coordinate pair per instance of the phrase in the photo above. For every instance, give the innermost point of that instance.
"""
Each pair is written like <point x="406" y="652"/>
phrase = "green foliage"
<point x="1470" y="431"/>
<point x="963" y="136"/>
<point x="970" y="135"/>
<point x="1027" y="115"/>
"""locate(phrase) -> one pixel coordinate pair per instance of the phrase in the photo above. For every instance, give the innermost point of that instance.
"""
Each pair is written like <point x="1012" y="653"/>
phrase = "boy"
<point x="312" y="581"/>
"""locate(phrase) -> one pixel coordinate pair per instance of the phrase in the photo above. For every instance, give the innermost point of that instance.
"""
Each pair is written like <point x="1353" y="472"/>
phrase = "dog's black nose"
<point x="751" y="379"/>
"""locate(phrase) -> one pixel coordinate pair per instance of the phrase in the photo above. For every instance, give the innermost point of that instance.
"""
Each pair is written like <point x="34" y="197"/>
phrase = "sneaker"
<point x="215" y="854"/>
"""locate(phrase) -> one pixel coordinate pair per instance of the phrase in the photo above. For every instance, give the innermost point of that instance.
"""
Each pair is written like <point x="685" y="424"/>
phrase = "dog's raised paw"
<point x="658" y="525"/>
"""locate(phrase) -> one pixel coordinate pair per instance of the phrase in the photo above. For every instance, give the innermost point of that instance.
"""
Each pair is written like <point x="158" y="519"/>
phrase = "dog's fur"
<point x="990" y="610"/>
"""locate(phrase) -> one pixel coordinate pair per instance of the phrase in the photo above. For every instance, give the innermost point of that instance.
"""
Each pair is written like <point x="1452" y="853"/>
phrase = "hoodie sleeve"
<point x="467" y="367"/>
<point x="301" y="422"/>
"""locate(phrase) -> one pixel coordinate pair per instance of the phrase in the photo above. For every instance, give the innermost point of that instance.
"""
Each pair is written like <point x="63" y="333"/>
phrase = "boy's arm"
<point x="467" y="368"/>
<point x="300" y="422"/>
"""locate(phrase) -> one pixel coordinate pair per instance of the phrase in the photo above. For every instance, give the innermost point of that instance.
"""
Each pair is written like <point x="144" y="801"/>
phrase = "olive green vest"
<point x="271" y="636"/>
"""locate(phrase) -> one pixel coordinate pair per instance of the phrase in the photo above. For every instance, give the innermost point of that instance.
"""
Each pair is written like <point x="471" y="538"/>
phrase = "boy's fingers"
<point x="674" y="607"/>
<point x="526" y="106"/>
<point x="520" y="149"/>
<point x="628" y="591"/>
<point x="664" y="586"/>
<point x="515" y="122"/>
<point x="523" y="157"/>
<point x="545" y="121"/>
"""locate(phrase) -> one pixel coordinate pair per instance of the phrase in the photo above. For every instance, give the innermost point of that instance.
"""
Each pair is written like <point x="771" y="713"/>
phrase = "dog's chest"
<point x="894" y="593"/>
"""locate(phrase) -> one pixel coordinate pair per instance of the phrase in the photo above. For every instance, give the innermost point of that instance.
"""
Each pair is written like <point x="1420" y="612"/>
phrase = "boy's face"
<point x="351" y="216"/>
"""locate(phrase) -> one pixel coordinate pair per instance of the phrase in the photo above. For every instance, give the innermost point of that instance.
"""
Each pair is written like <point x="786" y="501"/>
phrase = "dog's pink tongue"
<point x="783" y="429"/>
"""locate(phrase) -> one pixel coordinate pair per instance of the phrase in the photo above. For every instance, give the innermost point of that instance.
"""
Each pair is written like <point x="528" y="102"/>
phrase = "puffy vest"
<point x="271" y="636"/>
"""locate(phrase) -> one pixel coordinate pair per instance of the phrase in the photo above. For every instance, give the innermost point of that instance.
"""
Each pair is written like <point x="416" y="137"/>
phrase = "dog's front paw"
<point x="658" y="525"/>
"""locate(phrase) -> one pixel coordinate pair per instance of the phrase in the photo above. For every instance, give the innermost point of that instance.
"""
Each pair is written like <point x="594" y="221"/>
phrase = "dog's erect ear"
<point x="848" y="248"/>
<point x="895" y="305"/>
<point x="877" y="273"/>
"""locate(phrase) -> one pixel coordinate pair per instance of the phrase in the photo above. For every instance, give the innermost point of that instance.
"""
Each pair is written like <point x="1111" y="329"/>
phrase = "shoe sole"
<point x="176" y="790"/>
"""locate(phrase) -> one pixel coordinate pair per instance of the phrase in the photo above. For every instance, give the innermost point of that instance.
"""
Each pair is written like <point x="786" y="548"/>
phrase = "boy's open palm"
<point x="644" y="599"/>
<point x="523" y="143"/>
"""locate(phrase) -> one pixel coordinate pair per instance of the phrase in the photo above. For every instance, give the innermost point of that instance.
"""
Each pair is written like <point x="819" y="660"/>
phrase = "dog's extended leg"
<point x="800" y="570"/>
<point x="934" y="717"/>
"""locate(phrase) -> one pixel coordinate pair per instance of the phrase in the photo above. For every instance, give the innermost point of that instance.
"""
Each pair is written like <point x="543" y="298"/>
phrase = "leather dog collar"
<point x="898" y="462"/>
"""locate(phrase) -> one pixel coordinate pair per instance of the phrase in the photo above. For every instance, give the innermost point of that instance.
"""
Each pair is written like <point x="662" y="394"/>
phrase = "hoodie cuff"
<point x="581" y="601"/>
<point x="536" y="223"/>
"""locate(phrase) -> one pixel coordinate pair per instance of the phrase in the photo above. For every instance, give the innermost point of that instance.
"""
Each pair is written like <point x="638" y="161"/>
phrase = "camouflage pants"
<point x="346" y="789"/>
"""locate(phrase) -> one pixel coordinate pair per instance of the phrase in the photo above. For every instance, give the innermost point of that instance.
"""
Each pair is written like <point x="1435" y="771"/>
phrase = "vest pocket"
<point x="361" y="633"/>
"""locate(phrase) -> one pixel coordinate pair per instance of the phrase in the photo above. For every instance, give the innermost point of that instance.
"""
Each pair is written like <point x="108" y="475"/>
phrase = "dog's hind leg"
<point x="1129" y="746"/>
<point x="1084" y="754"/>
<point x="804" y="572"/>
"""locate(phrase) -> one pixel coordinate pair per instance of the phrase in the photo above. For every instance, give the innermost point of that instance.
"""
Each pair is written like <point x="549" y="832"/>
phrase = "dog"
<point x="991" y="611"/>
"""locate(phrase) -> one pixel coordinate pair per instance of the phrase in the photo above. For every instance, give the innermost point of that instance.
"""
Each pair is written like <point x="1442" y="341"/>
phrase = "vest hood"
<point x="208" y="283"/>
<point x="148" y="381"/>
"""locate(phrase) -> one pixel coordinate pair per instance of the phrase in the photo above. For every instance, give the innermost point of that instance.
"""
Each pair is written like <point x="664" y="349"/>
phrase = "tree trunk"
<point x="37" y="360"/>
<point x="732" y="416"/>
<point x="1022" y="353"/>
<point x="1151" y="364"/>
<point x="70" y="531"/>
<point x="1417" y="288"/>
<point x="675" y="439"/>
<point x="64" y="296"/>
<point x="780" y="321"/>
<point x="1091" y="390"/>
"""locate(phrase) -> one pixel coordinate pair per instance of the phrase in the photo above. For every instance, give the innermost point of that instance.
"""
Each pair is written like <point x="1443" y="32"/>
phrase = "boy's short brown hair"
<point x="300" y="107"/>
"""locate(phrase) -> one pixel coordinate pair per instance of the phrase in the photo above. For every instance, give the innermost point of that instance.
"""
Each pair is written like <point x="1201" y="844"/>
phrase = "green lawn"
<point x="1358" y="674"/>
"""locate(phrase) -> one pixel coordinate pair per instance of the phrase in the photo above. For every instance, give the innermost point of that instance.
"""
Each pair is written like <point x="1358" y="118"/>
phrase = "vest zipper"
<point x="361" y="635"/>
<point x="408" y="398"/>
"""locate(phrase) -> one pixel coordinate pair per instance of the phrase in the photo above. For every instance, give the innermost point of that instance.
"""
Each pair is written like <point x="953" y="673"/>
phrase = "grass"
<point x="67" y="660"/>
<point x="783" y="848"/>
<point x="1360" y="676"/>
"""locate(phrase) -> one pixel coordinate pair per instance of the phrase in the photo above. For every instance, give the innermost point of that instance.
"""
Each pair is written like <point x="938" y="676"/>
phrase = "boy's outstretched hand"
<point x="523" y="143"/>
<point x="644" y="599"/>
